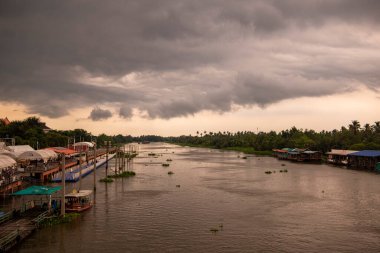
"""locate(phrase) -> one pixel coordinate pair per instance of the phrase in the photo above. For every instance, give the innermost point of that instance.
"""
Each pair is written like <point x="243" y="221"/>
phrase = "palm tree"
<point x="354" y="126"/>
<point x="376" y="127"/>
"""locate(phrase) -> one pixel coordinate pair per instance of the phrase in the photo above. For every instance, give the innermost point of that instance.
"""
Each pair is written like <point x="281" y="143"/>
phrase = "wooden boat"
<point x="77" y="202"/>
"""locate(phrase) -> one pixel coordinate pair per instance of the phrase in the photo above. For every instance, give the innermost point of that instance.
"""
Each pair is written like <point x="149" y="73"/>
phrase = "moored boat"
<point x="77" y="202"/>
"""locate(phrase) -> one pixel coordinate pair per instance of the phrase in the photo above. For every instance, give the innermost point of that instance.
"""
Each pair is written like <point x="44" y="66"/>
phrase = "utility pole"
<point x="63" y="185"/>
<point x="95" y="167"/>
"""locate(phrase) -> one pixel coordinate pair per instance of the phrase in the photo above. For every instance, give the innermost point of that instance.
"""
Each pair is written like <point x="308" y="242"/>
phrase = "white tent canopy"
<point x="6" y="162"/>
<point x="8" y="153"/>
<point x="84" y="143"/>
<point x="50" y="152"/>
<point x="20" y="148"/>
<point x="34" y="155"/>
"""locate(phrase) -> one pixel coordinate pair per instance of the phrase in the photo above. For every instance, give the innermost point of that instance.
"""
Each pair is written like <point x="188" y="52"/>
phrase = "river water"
<point x="311" y="208"/>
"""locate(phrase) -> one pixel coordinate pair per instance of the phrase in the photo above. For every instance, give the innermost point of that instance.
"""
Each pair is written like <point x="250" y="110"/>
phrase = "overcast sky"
<point x="174" y="67"/>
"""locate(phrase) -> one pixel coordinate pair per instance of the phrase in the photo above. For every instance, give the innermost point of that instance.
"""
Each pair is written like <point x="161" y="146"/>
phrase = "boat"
<point x="377" y="168"/>
<point x="78" y="201"/>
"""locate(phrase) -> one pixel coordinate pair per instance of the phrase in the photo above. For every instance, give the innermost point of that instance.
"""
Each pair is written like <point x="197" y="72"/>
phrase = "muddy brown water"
<point x="311" y="208"/>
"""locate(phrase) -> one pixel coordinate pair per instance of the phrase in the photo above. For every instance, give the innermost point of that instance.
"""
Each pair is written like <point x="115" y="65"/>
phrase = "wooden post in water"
<point x="107" y="142"/>
<point x="94" y="167"/>
<point x="80" y="169"/>
<point x="116" y="161"/>
<point x="123" y="158"/>
<point x="63" y="180"/>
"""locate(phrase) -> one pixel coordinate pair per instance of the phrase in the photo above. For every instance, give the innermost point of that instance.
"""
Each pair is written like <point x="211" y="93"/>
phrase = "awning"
<point x="20" y="148"/>
<point x="30" y="156"/>
<point x="38" y="190"/>
<point x="84" y="143"/>
<point x="8" y="153"/>
<point x="62" y="150"/>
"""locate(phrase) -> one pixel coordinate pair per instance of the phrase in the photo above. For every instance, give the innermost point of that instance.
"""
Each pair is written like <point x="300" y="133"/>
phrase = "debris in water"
<point x="214" y="230"/>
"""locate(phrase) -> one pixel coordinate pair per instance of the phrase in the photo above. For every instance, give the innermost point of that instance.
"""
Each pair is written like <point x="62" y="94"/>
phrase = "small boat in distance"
<point x="77" y="202"/>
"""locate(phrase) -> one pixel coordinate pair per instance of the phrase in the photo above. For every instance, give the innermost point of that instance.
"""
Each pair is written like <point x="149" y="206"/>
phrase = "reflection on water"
<point x="312" y="208"/>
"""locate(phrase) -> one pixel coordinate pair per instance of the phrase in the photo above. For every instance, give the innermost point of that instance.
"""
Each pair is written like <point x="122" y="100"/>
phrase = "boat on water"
<point x="78" y="201"/>
<point x="377" y="168"/>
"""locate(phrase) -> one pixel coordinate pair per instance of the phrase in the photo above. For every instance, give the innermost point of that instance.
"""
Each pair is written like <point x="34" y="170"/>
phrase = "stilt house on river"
<point x="298" y="155"/>
<point x="365" y="159"/>
<point x="339" y="156"/>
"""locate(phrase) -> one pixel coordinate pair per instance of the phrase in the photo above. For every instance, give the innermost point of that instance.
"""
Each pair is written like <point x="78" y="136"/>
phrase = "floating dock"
<point x="75" y="174"/>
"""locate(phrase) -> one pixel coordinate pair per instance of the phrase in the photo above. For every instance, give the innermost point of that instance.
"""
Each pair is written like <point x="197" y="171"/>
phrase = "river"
<point x="311" y="208"/>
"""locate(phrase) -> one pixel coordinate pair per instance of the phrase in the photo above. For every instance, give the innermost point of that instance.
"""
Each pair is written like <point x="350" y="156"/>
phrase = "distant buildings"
<point x="365" y="159"/>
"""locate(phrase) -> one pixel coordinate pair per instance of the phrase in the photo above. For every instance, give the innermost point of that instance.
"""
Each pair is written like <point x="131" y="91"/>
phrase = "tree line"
<point x="354" y="136"/>
<point x="31" y="132"/>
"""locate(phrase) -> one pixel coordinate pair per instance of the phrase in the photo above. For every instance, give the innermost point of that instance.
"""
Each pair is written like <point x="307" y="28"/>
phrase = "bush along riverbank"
<point x="245" y="150"/>
<point x="55" y="220"/>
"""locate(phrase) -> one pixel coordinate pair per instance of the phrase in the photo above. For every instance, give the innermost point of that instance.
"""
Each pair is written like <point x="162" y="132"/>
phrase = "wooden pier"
<point x="14" y="230"/>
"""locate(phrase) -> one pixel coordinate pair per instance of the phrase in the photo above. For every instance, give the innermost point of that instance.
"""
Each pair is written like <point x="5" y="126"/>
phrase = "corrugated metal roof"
<point x="341" y="152"/>
<point x="62" y="150"/>
<point x="311" y="152"/>
<point x="366" y="153"/>
<point x="38" y="190"/>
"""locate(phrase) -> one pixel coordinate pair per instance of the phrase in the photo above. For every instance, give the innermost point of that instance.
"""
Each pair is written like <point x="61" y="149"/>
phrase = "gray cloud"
<point x="174" y="58"/>
<point x="125" y="112"/>
<point x="98" y="114"/>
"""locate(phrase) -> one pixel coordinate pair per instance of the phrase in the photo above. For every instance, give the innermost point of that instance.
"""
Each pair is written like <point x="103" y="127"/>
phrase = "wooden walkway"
<point x="15" y="230"/>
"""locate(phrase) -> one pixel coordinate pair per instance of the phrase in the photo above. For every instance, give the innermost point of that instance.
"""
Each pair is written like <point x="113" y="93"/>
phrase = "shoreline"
<point x="245" y="150"/>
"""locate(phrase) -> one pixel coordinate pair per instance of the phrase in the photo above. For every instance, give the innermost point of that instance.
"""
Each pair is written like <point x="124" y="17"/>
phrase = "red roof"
<point x="62" y="150"/>
<point x="5" y="121"/>
<point x="280" y="150"/>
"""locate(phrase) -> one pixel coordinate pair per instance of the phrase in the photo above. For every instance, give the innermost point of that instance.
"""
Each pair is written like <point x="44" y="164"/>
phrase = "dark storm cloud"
<point x="173" y="58"/>
<point x="100" y="114"/>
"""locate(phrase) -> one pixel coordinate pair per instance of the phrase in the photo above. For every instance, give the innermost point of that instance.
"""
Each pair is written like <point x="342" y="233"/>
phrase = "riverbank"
<point x="245" y="150"/>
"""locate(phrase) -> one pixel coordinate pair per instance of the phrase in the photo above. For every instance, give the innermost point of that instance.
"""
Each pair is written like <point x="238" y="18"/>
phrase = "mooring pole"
<point x="107" y="142"/>
<point x="80" y="169"/>
<point x="95" y="167"/>
<point x="116" y="160"/>
<point x="63" y="180"/>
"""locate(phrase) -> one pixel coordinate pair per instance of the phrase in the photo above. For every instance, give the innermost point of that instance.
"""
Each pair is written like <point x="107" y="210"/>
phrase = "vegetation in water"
<point x="123" y="174"/>
<point x="214" y="230"/>
<point x="55" y="220"/>
<point x="106" y="180"/>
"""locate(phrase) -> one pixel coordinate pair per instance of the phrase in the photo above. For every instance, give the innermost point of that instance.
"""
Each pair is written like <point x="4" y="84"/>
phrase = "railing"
<point x="5" y="217"/>
<point x="40" y="218"/>
<point x="8" y="239"/>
